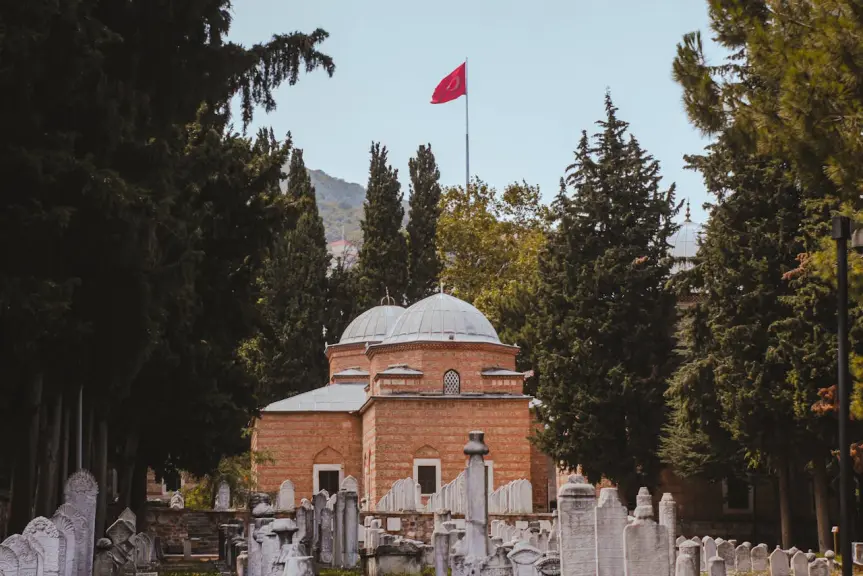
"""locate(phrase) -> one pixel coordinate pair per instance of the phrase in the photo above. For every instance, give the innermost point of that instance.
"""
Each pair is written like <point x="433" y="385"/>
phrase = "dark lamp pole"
<point x="841" y="234"/>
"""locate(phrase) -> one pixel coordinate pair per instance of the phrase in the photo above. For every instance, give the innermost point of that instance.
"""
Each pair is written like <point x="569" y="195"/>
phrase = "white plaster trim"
<point x="727" y="510"/>
<point x="427" y="462"/>
<point x="489" y="469"/>
<point x="316" y="487"/>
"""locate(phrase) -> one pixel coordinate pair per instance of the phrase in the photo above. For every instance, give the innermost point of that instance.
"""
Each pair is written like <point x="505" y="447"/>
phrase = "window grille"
<point x="451" y="382"/>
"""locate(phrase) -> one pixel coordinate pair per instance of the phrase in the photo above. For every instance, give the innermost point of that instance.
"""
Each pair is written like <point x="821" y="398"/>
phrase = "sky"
<point x="537" y="75"/>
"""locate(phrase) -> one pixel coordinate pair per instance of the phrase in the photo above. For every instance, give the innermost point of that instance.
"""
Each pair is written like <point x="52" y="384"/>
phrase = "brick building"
<point x="406" y="387"/>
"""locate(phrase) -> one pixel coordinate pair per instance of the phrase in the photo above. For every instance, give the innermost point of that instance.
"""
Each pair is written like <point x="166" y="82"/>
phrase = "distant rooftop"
<point x="330" y="398"/>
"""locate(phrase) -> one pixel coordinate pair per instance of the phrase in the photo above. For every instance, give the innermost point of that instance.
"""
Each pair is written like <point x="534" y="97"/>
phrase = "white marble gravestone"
<point x="223" y="497"/>
<point x="9" y="561"/>
<point x="708" y="549"/>
<point x="523" y="558"/>
<point x="43" y="531"/>
<point x="779" y="564"/>
<point x="668" y="518"/>
<point x="576" y="504"/>
<point x="27" y="561"/>
<point x="742" y="560"/>
<point x="716" y="566"/>
<point x="819" y="567"/>
<point x="800" y="564"/>
<point x="610" y="522"/>
<point x="759" y="557"/>
<point x="81" y="534"/>
<point x="689" y="559"/>
<point x="81" y="491"/>
<point x="645" y="545"/>
<point x="66" y="528"/>
<point x="725" y="550"/>
<point x="285" y="500"/>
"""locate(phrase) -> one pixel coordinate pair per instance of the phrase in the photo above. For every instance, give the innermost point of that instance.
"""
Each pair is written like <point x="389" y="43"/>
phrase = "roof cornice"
<point x="373" y="349"/>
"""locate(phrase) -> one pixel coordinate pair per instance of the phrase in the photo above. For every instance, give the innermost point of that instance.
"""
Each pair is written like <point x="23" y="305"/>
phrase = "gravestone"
<point x="725" y="550"/>
<point x="548" y="566"/>
<point x="680" y="540"/>
<point x="800" y="564"/>
<point x="716" y="566"/>
<point x="285" y="500"/>
<point x="80" y="492"/>
<point x="27" y="561"/>
<point x="476" y="505"/>
<point x="177" y="501"/>
<point x="339" y="529"/>
<point x="702" y="564"/>
<point x="554" y="537"/>
<point x="610" y="522"/>
<point x="326" y="537"/>
<point x="350" y="484"/>
<point x="759" y="558"/>
<point x="319" y="502"/>
<point x="299" y="566"/>
<point x="819" y="567"/>
<point x="8" y="561"/>
<point x="43" y="531"/>
<point x="668" y="518"/>
<point x="80" y="525"/>
<point x="223" y="498"/>
<point x="708" y="549"/>
<point x="440" y="541"/>
<point x="742" y="561"/>
<point x="779" y="564"/>
<point x="576" y="502"/>
<point x="689" y="560"/>
<point x="643" y="498"/>
<point x="310" y="523"/>
<point x="66" y="528"/>
<point x="497" y="564"/>
<point x="645" y="545"/>
<point x="352" y="521"/>
<point x="523" y="559"/>
<point x="269" y="550"/>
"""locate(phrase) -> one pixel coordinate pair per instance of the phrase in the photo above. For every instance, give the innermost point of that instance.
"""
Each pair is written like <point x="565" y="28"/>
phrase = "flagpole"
<point x="466" y="137"/>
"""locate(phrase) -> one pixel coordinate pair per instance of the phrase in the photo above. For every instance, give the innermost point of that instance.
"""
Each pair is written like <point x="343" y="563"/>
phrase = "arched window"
<point x="451" y="382"/>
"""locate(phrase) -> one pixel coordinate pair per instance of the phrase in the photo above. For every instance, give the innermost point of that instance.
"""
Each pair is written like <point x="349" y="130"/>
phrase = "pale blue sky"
<point x="537" y="73"/>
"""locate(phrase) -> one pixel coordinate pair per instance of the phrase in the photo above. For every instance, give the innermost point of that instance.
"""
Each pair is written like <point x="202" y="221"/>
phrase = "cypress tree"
<point x="424" y="266"/>
<point x="341" y="300"/>
<point x="383" y="259"/>
<point x="294" y="295"/>
<point x="607" y="337"/>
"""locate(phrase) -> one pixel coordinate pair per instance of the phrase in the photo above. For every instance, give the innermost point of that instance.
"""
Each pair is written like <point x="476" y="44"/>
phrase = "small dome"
<point x="684" y="244"/>
<point x="441" y="318"/>
<point x="372" y="325"/>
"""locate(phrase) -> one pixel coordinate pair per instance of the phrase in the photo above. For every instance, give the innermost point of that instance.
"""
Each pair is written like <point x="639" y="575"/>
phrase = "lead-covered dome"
<point x="372" y="325"/>
<point x="684" y="244"/>
<point x="442" y="318"/>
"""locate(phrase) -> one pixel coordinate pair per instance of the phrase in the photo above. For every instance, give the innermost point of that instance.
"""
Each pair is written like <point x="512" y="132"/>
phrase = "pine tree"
<point x="294" y="295"/>
<point x="425" y="266"/>
<point x="341" y="300"/>
<point x="607" y="325"/>
<point x="383" y="259"/>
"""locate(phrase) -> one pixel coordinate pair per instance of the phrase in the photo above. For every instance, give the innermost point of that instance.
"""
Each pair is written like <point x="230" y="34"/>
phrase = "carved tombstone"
<point x="645" y="545"/>
<point x="223" y="497"/>
<point x="9" y="561"/>
<point x="688" y="559"/>
<point x="779" y="565"/>
<point x="129" y="517"/>
<point x="79" y="524"/>
<point x="577" y="508"/>
<point x="66" y="528"/>
<point x="819" y="567"/>
<point x="668" y="518"/>
<point x="177" y="501"/>
<point x="326" y="541"/>
<point x="43" y="531"/>
<point x="800" y="564"/>
<point x="81" y="491"/>
<point x="742" y="560"/>
<point x="27" y="561"/>
<point x="350" y="484"/>
<point x="285" y="499"/>
<point x="725" y="550"/>
<point x="610" y="522"/>
<point x="319" y="502"/>
<point x="523" y="559"/>
<point x="759" y="556"/>
<point x="716" y="566"/>
<point x="708" y="549"/>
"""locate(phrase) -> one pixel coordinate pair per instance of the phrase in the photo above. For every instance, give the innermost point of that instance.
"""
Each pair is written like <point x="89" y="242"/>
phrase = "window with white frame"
<point x="327" y="477"/>
<point x="427" y="475"/>
<point x="737" y="496"/>
<point x="451" y="382"/>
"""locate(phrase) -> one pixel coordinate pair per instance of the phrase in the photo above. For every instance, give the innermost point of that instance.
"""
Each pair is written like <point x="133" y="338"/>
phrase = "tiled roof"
<point x="330" y="398"/>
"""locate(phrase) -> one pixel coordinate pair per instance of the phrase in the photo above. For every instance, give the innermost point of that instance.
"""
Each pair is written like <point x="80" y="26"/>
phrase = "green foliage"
<point x="383" y="259"/>
<point x="342" y="305"/>
<point x="607" y="321"/>
<point x="489" y="243"/>
<point x="237" y="472"/>
<point x="424" y="265"/>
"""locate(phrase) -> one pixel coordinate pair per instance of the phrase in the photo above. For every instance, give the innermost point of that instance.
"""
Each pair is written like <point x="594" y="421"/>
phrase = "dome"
<point x="441" y="318"/>
<point x="684" y="244"/>
<point x="372" y="325"/>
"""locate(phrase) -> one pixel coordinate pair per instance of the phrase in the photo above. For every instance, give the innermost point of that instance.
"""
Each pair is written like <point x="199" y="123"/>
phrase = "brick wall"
<point x="298" y="440"/>
<point x="400" y="429"/>
<point x="435" y="359"/>
<point x="540" y="466"/>
<point x="347" y="356"/>
<point x="173" y="527"/>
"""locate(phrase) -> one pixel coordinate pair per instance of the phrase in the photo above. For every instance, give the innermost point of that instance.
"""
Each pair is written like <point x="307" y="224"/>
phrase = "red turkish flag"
<point x="451" y="87"/>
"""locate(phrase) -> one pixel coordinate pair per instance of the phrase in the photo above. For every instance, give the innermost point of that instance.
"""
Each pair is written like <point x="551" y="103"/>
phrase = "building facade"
<point x="405" y="388"/>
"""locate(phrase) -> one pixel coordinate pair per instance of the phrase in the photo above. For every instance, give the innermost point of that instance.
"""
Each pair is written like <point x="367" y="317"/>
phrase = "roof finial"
<point x="441" y="286"/>
<point x="388" y="300"/>
<point x="687" y="211"/>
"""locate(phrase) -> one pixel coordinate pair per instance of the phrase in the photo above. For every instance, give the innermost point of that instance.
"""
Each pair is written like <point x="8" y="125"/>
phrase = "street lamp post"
<point x="841" y="234"/>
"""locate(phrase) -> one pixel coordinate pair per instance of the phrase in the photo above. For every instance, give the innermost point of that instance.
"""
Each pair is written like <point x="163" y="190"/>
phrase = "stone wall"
<point x="420" y="525"/>
<point x="173" y="527"/>
<point x="299" y="440"/>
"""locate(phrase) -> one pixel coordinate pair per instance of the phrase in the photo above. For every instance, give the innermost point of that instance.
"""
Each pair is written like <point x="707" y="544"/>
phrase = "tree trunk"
<point x="88" y="460"/>
<point x="130" y="456"/>
<point x="51" y="459"/>
<point x="822" y="503"/>
<point x="64" y="455"/>
<point x="139" y="494"/>
<point x="785" y="504"/>
<point x="101" y="457"/>
<point x="24" y="476"/>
